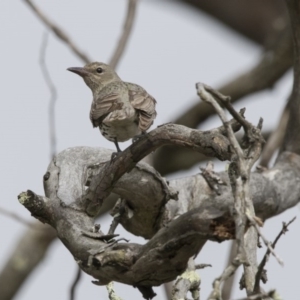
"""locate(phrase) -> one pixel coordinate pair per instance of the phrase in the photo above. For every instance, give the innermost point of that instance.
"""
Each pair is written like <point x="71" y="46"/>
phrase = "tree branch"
<point x="292" y="136"/>
<point x="111" y="292"/>
<point x="120" y="47"/>
<point x="53" y="97"/>
<point x="271" y="67"/>
<point x="75" y="284"/>
<point x="266" y="256"/>
<point x="212" y="143"/>
<point x="228" y="284"/>
<point x="198" y="215"/>
<point x="188" y="281"/>
<point x="13" y="275"/>
<point x="16" y="217"/>
<point x="256" y="20"/>
<point x="273" y="64"/>
<point x="239" y="174"/>
<point x="60" y="34"/>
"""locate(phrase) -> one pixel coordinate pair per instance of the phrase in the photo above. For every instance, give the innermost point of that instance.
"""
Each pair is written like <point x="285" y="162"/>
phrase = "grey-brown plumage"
<point x="121" y="110"/>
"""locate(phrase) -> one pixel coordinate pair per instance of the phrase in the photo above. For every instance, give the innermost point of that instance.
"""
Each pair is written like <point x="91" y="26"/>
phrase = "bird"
<point x="121" y="110"/>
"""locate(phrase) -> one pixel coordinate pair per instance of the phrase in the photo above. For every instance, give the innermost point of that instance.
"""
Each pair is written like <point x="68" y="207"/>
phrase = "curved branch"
<point x="130" y="16"/>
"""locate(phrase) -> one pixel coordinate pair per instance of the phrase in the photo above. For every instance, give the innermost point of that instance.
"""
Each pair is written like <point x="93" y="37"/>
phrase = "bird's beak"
<point x="80" y="71"/>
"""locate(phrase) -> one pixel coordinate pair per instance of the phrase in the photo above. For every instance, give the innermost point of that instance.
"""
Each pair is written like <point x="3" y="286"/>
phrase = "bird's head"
<point x="96" y="75"/>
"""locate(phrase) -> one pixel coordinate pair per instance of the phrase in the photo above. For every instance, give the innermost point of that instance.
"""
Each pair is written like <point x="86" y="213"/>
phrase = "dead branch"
<point x="11" y="279"/>
<point x="213" y="180"/>
<point x="239" y="174"/>
<point x="188" y="281"/>
<point x="170" y="159"/>
<point x="266" y="242"/>
<point x="60" y="34"/>
<point x="263" y="262"/>
<point x="212" y="143"/>
<point x="111" y="292"/>
<point x="127" y="29"/>
<point x="207" y="216"/>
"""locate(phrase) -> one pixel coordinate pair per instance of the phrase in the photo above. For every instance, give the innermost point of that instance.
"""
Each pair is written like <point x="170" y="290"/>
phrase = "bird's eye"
<point x="99" y="70"/>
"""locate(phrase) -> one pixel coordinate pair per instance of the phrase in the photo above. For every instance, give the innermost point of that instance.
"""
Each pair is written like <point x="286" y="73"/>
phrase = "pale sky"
<point x="171" y="48"/>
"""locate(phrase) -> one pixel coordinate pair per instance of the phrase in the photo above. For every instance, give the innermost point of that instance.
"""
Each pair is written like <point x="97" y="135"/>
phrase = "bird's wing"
<point x="102" y="106"/>
<point x="144" y="104"/>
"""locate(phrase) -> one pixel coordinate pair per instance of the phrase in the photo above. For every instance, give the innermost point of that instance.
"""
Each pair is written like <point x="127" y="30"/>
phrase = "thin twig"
<point x="266" y="256"/>
<point x="229" y="271"/>
<point x="228" y="285"/>
<point x="16" y="217"/>
<point x="111" y="292"/>
<point x="53" y="97"/>
<point x="213" y="180"/>
<point x="127" y="29"/>
<point x="202" y="266"/>
<point x="75" y="284"/>
<point x="266" y="242"/>
<point x="58" y="31"/>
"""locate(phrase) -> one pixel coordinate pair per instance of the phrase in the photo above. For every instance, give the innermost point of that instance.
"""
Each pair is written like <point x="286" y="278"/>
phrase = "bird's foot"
<point x="139" y="136"/>
<point x="115" y="155"/>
